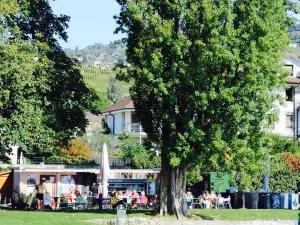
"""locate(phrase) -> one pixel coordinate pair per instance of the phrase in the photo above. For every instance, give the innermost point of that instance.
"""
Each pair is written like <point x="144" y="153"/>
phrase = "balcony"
<point x="133" y="128"/>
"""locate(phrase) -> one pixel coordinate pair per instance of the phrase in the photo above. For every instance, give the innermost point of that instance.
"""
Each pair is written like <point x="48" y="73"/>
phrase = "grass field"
<point x="246" y="214"/>
<point x="76" y="218"/>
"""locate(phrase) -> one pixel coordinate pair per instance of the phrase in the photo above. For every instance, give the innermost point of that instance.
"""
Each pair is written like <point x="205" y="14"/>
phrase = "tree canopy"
<point x="142" y="156"/>
<point x="114" y="90"/>
<point x="203" y="74"/>
<point x="43" y="97"/>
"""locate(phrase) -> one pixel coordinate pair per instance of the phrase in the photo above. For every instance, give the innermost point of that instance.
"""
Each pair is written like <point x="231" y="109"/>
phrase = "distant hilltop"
<point x="100" y="55"/>
<point x="106" y="56"/>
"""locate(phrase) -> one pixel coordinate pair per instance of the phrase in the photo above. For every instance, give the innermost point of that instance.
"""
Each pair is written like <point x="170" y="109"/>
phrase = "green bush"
<point x="282" y="177"/>
<point x="141" y="156"/>
<point x="278" y="144"/>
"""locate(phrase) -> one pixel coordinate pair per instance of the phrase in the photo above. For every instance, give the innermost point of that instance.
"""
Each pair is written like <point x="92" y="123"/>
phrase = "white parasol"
<point x="21" y="158"/>
<point x="104" y="171"/>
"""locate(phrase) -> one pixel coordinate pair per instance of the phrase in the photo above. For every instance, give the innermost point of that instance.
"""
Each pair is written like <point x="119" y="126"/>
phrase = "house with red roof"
<point x="121" y="118"/>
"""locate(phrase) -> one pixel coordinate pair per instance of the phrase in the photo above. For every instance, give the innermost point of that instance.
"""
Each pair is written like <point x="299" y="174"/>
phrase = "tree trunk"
<point x="172" y="189"/>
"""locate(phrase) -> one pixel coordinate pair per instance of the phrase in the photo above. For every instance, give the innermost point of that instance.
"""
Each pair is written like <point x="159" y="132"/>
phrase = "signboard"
<point x="152" y="188"/>
<point x="67" y="184"/>
<point x="31" y="180"/>
<point x="132" y="181"/>
<point x="218" y="184"/>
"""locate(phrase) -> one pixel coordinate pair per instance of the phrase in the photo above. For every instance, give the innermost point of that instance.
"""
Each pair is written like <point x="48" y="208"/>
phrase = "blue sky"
<point x="91" y="21"/>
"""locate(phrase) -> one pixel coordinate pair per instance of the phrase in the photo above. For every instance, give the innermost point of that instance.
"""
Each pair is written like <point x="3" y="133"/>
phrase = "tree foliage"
<point x="141" y="157"/>
<point x="97" y="135"/>
<point x="284" y="177"/>
<point x="77" y="153"/>
<point x="42" y="93"/>
<point x="278" y="144"/>
<point x="114" y="90"/>
<point x="202" y="73"/>
<point x="100" y="103"/>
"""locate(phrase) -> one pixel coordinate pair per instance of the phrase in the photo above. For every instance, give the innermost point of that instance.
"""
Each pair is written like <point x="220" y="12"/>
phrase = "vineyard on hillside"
<point x="99" y="78"/>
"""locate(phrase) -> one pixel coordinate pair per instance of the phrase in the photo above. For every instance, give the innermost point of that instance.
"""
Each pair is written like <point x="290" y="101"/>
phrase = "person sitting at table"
<point x="206" y="199"/>
<point x="47" y="200"/>
<point x="73" y="197"/>
<point x="79" y="201"/>
<point x="213" y="198"/>
<point x="113" y="197"/>
<point x="189" y="199"/>
<point x="127" y="194"/>
<point x="155" y="199"/>
<point x="120" y="198"/>
<point x="135" y="196"/>
<point x="144" y="199"/>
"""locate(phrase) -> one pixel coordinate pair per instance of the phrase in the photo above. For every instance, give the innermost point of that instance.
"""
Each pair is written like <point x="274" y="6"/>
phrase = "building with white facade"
<point x="121" y="118"/>
<point x="287" y="124"/>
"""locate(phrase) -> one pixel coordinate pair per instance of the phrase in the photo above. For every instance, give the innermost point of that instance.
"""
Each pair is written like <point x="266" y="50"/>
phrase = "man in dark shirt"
<point x="94" y="189"/>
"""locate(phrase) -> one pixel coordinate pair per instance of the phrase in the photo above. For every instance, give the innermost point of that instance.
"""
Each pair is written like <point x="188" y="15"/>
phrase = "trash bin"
<point x="238" y="200"/>
<point x="284" y="200"/>
<point x="251" y="200"/>
<point x="293" y="201"/>
<point x="232" y="200"/>
<point x="264" y="201"/>
<point x="275" y="201"/>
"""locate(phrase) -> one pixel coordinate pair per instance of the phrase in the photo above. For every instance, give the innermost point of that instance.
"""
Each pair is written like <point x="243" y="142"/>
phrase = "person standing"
<point x="94" y="189"/>
<point x="41" y="188"/>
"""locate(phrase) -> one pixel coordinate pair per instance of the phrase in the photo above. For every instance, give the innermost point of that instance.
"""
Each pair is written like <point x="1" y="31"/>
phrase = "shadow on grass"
<point x="204" y="217"/>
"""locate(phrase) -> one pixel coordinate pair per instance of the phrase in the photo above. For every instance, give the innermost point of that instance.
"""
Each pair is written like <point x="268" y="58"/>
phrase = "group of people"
<point x="208" y="199"/>
<point x="117" y="198"/>
<point x="131" y="197"/>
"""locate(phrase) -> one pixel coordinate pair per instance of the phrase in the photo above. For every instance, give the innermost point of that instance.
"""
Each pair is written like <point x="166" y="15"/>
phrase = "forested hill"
<point x="100" y="54"/>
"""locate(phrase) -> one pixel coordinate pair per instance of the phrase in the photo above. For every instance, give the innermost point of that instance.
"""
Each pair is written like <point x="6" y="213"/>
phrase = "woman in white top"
<point x="47" y="201"/>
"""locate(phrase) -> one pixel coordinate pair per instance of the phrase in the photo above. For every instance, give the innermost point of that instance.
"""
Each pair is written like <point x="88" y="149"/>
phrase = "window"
<point x="289" y="94"/>
<point x="290" y="69"/>
<point x="289" y="120"/>
<point x="134" y="118"/>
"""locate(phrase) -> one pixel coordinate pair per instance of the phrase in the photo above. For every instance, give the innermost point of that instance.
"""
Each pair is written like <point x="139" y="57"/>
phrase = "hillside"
<point x="101" y="55"/>
<point x="99" y="78"/>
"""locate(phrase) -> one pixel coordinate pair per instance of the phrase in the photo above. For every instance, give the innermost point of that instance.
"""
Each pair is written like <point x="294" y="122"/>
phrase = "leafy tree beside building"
<point x="43" y="97"/>
<point x="202" y="74"/>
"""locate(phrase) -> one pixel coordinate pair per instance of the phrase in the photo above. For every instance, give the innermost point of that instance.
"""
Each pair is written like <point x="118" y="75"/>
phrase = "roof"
<point x="92" y="118"/>
<point x="125" y="103"/>
<point x="5" y="172"/>
<point x="294" y="57"/>
<point x="293" y="80"/>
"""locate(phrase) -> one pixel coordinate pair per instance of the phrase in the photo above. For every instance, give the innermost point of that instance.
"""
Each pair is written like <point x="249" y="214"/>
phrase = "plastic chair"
<point x="227" y="203"/>
<point x="206" y="204"/>
<point x="220" y="203"/>
<point x="129" y="203"/>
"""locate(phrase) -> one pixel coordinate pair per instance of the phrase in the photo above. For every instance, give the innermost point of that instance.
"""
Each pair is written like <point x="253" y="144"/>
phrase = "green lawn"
<point x="58" y="218"/>
<point x="246" y="214"/>
<point x="76" y="218"/>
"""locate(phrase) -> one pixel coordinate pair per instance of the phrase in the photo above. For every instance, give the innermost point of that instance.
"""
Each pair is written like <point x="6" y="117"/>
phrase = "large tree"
<point x="203" y="74"/>
<point x="43" y="97"/>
